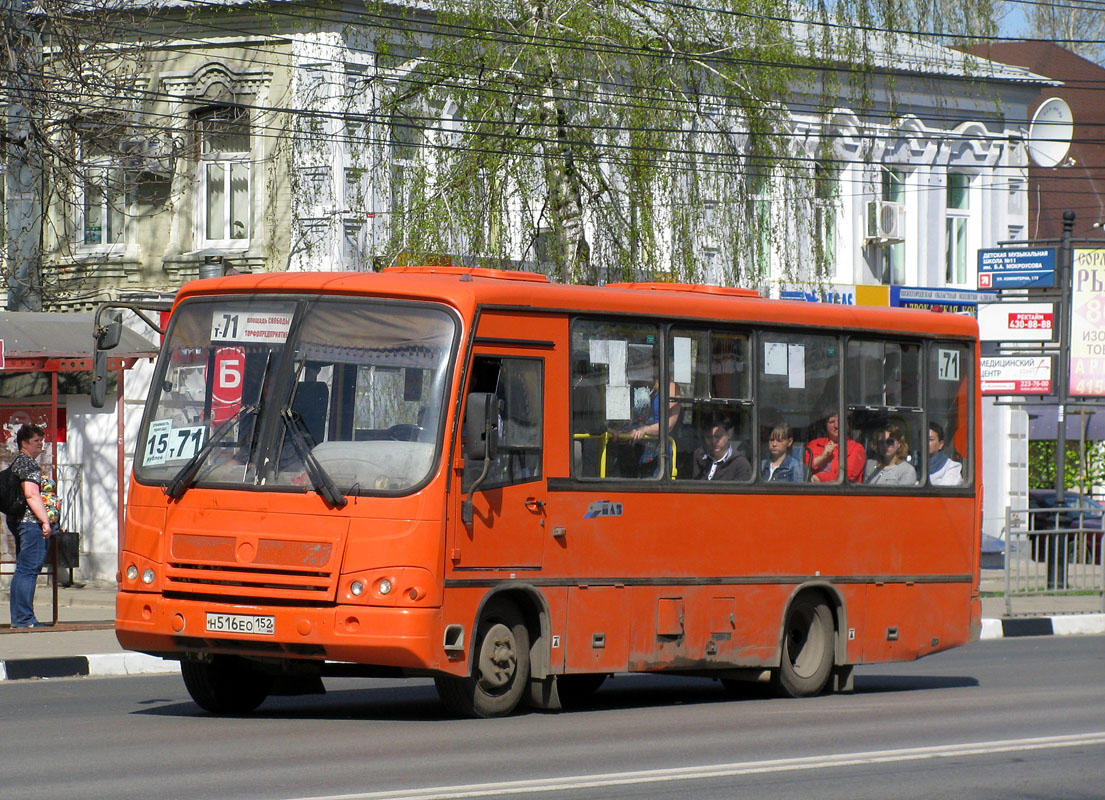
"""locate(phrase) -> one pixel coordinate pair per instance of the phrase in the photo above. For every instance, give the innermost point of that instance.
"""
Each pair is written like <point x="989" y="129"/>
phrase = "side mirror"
<point x="107" y="337"/>
<point x="481" y="427"/>
<point x="99" y="378"/>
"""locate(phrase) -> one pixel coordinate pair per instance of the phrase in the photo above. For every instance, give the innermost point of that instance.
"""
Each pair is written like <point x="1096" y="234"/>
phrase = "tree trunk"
<point x="563" y="181"/>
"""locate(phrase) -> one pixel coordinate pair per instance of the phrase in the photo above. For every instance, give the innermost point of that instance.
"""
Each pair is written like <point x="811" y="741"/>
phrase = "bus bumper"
<point x="405" y="638"/>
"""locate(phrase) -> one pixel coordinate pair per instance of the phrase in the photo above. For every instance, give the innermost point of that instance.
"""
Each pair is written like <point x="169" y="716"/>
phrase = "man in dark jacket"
<point x="717" y="459"/>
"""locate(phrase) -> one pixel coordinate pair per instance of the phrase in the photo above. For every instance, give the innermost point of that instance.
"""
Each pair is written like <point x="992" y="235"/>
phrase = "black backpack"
<point x="13" y="504"/>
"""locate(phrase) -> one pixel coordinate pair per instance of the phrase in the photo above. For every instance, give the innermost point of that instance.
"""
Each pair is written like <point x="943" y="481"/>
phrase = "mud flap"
<point x="843" y="680"/>
<point x="542" y="694"/>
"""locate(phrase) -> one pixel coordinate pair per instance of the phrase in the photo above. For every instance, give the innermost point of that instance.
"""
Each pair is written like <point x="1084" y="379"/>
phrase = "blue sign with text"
<point x="1016" y="268"/>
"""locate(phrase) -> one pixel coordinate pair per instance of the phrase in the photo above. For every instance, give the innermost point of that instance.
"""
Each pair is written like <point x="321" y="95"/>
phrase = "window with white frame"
<point x="407" y="133"/>
<point x="103" y="196"/>
<point x="222" y="136"/>
<point x="354" y="252"/>
<point x="957" y="213"/>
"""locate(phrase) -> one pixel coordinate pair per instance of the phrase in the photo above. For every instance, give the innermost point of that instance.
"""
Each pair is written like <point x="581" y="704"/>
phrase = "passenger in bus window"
<point x="822" y="453"/>
<point x="943" y="470"/>
<point x="646" y="429"/>
<point x="717" y="459"/>
<point x="780" y="465"/>
<point x="893" y="469"/>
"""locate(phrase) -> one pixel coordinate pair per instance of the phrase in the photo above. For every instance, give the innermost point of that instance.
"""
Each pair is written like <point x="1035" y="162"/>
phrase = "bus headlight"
<point x="140" y="575"/>
<point x="387" y="587"/>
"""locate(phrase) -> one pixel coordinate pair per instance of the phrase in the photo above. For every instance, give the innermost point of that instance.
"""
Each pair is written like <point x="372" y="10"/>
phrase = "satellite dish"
<point x="1050" y="133"/>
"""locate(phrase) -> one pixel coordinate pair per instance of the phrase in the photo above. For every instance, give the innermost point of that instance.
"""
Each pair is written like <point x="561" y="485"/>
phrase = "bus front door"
<point x="508" y="507"/>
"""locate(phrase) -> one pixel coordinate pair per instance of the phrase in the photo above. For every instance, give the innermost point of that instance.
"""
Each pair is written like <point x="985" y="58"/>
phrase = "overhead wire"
<point x="280" y="131"/>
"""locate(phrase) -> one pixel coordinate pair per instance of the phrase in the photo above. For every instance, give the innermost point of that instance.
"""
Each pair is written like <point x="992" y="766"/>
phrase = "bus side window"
<point x="710" y="370"/>
<point x="948" y="437"/>
<point x="883" y="393"/>
<point x="518" y="383"/>
<point x="798" y="381"/>
<point x="615" y="391"/>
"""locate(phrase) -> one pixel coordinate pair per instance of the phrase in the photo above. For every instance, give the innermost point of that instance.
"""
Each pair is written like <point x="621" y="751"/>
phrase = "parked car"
<point x="1084" y="513"/>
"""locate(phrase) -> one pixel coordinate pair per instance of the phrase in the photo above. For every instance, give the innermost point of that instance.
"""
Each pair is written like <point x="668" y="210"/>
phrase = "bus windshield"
<point x="290" y="393"/>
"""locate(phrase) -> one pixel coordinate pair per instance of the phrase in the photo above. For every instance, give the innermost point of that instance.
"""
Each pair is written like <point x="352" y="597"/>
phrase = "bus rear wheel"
<point x="500" y="672"/>
<point x="225" y="684"/>
<point x="807" y="659"/>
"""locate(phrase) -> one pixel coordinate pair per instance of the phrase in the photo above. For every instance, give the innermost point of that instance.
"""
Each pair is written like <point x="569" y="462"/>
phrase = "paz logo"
<point x="603" y="508"/>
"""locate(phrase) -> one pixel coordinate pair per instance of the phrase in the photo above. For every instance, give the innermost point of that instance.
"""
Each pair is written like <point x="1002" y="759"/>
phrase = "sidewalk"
<point x="83" y="642"/>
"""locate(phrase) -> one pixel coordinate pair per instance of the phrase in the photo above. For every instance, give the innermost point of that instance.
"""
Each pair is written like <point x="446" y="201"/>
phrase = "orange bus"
<point x="519" y="487"/>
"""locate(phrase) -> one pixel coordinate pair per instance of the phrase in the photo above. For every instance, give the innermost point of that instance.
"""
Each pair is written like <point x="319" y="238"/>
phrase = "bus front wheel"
<point x="807" y="659"/>
<point x="225" y="684"/>
<point x="501" y="669"/>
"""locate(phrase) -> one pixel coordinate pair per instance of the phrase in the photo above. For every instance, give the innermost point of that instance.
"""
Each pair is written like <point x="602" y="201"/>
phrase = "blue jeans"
<point x="30" y="547"/>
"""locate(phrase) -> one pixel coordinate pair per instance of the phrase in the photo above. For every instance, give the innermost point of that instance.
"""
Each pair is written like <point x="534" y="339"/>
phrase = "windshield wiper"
<point x="320" y="478"/>
<point x="179" y="484"/>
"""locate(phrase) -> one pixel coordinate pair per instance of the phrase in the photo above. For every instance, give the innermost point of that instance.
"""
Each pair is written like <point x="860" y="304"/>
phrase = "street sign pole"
<point x="1057" y="553"/>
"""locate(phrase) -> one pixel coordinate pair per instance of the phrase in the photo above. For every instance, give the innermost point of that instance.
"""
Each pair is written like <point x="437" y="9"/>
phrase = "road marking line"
<point x="724" y="770"/>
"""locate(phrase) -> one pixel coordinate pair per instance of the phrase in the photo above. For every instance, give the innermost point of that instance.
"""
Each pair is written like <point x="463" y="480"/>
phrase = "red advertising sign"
<point x="226" y="388"/>
<point x="1023" y="321"/>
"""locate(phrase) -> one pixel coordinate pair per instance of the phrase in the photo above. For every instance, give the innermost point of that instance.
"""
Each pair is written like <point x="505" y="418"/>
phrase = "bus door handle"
<point x="533" y="504"/>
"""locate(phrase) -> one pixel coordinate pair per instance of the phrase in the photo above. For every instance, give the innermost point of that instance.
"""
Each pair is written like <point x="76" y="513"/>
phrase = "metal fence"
<point x="70" y="496"/>
<point x="1054" y="552"/>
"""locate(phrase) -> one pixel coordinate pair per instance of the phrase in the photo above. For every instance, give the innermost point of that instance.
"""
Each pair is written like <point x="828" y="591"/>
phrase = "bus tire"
<point x="500" y="673"/>
<point x="225" y="684"/>
<point x="807" y="657"/>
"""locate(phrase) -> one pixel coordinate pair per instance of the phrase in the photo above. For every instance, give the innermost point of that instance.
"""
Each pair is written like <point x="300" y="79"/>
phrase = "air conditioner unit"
<point x="885" y="221"/>
<point x="154" y="154"/>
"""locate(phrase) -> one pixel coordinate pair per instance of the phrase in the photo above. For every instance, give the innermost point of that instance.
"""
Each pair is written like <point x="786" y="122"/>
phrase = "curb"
<point x="98" y="665"/>
<point x="1057" y="625"/>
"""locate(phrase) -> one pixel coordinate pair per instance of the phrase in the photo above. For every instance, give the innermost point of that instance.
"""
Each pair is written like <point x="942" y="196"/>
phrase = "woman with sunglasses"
<point x="893" y="468"/>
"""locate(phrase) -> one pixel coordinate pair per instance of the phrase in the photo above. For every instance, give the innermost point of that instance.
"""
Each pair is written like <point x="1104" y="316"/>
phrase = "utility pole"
<point x="23" y="173"/>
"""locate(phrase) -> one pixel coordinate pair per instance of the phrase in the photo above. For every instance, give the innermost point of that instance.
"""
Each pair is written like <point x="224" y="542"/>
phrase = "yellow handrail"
<point x="608" y="437"/>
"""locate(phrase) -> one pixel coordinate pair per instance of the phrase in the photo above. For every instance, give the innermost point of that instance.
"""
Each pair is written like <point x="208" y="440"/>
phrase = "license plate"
<point x="241" y="623"/>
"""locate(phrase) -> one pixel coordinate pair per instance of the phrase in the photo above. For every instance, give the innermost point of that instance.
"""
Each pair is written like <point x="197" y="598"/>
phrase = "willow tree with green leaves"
<point x="602" y="140"/>
<point x="626" y="139"/>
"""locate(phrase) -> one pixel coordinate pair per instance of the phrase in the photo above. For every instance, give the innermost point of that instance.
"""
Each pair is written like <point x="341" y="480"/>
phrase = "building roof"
<point x="1045" y="58"/>
<point x="39" y="334"/>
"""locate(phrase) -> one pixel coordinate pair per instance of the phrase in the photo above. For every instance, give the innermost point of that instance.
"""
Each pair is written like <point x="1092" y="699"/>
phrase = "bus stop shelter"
<point x="45" y="357"/>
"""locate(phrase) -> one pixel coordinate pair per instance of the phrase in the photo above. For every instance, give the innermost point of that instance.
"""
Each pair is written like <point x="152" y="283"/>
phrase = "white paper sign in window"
<point x="947" y="365"/>
<point x="775" y="358"/>
<point x="166" y="443"/>
<point x="250" y="326"/>
<point x="681" y="361"/>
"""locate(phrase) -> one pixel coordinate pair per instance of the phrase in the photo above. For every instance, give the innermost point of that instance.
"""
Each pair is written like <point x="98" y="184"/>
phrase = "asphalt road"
<point x="1013" y="718"/>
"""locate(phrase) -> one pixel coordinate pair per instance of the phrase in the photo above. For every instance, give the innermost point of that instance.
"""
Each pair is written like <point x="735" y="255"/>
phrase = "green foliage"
<point x="1079" y="474"/>
<point x="661" y="130"/>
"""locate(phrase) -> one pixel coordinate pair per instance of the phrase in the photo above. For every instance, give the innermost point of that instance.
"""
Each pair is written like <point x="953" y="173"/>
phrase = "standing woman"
<point x="32" y="533"/>
<point x="893" y="469"/>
